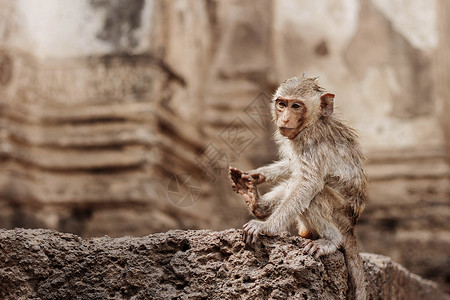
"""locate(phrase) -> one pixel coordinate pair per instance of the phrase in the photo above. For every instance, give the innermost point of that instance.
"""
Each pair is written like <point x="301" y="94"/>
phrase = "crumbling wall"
<point x="45" y="264"/>
<point x="99" y="131"/>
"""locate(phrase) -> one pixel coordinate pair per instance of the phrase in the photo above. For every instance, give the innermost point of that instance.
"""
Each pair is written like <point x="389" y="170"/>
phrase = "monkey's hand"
<point x="254" y="177"/>
<point x="252" y="229"/>
<point x="236" y="179"/>
<point x="246" y="187"/>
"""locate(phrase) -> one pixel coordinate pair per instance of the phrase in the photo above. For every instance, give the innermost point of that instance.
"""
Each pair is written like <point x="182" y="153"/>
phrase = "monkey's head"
<point x="299" y="102"/>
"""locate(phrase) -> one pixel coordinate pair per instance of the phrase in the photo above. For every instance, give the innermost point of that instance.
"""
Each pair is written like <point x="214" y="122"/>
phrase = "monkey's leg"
<point x="330" y="237"/>
<point x="304" y="229"/>
<point x="265" y="207"/>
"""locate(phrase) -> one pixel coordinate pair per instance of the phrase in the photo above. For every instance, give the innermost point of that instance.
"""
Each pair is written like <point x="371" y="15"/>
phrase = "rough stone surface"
<point x="45" y="264"/>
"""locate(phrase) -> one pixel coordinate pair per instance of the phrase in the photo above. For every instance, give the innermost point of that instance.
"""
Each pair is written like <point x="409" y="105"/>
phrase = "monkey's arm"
<point x="245" y="184"/>
<point x="303" y="190"/>
<point x="267" y="203"/>
<point x="300" y="190"/>
<point x="274" y="172"/>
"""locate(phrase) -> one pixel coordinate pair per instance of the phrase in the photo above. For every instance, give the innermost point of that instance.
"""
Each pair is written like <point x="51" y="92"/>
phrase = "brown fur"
<point x="320" y="179"/>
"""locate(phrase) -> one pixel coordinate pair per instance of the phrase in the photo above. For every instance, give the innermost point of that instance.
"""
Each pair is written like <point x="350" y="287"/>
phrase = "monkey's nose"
<point x="282" y="122"/>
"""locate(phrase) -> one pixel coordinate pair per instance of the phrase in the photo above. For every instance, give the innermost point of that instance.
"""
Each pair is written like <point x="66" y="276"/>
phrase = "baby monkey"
<point x="320" y="182"/>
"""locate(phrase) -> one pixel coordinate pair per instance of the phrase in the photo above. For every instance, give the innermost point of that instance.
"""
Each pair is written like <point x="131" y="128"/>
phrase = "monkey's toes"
<point x="307" y="246"/>
<point x="313" y="249"/>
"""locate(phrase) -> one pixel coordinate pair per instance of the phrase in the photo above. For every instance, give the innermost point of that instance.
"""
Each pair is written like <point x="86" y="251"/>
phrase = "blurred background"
<point x="122" y="117"/>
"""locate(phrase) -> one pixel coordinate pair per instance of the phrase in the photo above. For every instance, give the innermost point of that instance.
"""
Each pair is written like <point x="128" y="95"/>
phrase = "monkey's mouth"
<point x="290" y="133"/>
<point x="287" y="128"/>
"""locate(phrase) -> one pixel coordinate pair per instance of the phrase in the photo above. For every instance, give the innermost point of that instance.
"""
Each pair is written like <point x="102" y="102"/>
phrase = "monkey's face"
<point x="300" y="102"/>
<point x="290" y="116"/>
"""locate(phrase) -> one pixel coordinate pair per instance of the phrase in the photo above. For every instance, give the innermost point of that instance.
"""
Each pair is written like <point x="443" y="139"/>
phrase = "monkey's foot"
<point x="319" y="247"/>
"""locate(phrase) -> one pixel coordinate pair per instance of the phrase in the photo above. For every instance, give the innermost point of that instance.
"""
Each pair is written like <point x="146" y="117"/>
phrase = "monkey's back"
<point x="336" y="148"/>
<point x="347" y="173"/>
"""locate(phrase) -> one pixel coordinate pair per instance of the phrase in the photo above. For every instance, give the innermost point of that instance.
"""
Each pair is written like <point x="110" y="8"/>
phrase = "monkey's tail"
<point x="356" y="278"/>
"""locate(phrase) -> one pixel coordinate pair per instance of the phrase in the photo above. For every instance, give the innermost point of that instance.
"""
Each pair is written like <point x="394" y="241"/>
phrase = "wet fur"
<point x="320" y="183"/>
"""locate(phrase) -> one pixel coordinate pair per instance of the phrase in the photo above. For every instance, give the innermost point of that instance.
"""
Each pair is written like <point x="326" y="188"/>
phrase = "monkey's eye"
<point x="296" y="106"/>
<point x="281" y="104"/>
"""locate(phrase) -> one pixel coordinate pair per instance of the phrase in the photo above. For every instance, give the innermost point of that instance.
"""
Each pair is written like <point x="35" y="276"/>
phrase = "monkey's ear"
<point x="326" y="104"/>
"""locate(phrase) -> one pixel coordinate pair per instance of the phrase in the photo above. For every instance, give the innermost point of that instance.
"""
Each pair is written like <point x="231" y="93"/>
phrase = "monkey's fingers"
<point x="250" y="189"/>
<point x="255" y="237"/>
<point x="251" y="202"/>
<point x="233" y="182"/>
<point x="244" y="235"/>
<point x="261" y="178"/>
<point x="246" y="176"/>
<point x="246" y="226"/>
<point x="237" y="190"/>
<point x="252" y="232"/>
<point x="248" y="233"/>
<point x="249" y="184"/>
<point x="249" y="239"/>
<point x="255" y="178"/>
<point x="231" y="169"/>
<point x="235" y="172"/>
<point x="237" y="187"/>
<point x="234" y="179"/>
<point x="247" y="199"/>
<point x="247" y="236"/>
<point x="241" y="187"/>
<point x="255" y="175"/>
<point x="258" y="178"/>
<point x="234" y="185"/>
<point x="248" y="179"/>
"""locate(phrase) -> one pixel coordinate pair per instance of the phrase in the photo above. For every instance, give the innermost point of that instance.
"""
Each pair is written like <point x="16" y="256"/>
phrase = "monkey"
<point x="319" y="181"/>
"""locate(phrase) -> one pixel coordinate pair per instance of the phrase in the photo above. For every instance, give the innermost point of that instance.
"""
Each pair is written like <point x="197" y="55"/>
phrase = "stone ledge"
<point x="45" y="264"/>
